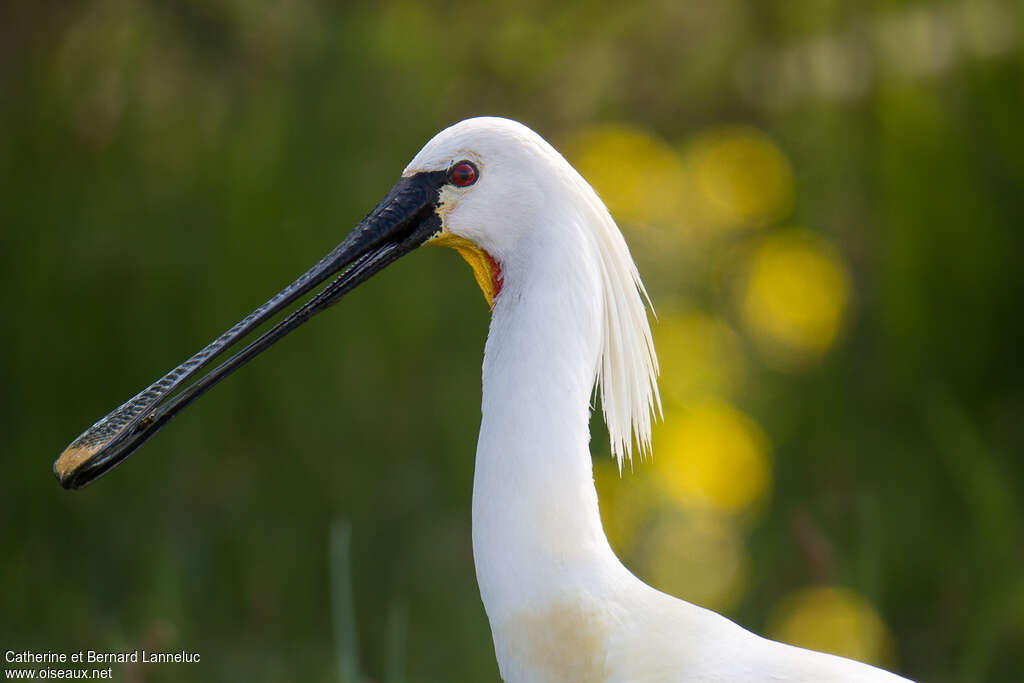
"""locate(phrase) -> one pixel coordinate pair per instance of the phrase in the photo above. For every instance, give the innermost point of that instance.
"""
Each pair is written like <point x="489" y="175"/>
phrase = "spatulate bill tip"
<point x="70" y="462"/>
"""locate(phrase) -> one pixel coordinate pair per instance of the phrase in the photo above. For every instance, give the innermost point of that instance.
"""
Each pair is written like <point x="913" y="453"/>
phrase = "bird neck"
<point x="537" y="534"/>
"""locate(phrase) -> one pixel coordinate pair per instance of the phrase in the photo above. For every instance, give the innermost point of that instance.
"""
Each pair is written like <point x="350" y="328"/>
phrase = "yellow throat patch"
<point x="485" y="269"/>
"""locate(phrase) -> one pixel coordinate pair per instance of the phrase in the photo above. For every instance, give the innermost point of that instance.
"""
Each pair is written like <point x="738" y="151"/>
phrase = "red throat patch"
<point x="497" y="279"/>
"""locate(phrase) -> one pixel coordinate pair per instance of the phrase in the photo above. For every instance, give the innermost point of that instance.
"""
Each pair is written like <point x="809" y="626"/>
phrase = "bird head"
<point x="500" y="180"/>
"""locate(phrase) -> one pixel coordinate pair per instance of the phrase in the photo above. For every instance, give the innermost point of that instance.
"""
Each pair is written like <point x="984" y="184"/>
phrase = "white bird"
<point x="567" y="312"/>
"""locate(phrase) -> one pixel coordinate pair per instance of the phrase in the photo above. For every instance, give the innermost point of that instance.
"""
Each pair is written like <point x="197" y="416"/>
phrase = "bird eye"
<point x="464" y="173"/>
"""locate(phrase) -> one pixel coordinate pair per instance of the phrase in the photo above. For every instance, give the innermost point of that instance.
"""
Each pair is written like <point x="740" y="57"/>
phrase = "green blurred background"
<point x="824" y="198"/>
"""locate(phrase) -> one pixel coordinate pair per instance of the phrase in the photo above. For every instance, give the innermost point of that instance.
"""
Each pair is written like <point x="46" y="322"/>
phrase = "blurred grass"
<point x="346" y="639"/>
<point x="166" y="167"/>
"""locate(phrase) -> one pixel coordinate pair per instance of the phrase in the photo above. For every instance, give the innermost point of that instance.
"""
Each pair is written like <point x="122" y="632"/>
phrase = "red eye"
<point x="463" y="173"/>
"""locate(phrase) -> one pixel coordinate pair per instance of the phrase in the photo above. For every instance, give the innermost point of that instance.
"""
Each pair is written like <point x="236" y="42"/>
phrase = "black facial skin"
<point x="401" y="222"/>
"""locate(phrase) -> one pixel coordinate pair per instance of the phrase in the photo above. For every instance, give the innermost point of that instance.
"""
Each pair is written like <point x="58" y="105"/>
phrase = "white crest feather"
<point x="627" y="373"/>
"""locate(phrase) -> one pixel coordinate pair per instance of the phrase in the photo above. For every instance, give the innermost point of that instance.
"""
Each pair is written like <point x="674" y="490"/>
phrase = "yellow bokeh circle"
<point x="699" y="556"/>
<point x="639" y="176"/>
<point x="795" y="295"/>
<point x="710" y="454"/>
<point x="742" y="178"/>
<point x="698" y="355"/>
<point x="834" y="620"/>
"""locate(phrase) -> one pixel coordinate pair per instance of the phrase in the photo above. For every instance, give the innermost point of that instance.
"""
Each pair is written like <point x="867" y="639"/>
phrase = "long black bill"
<point x="404" y="220"/>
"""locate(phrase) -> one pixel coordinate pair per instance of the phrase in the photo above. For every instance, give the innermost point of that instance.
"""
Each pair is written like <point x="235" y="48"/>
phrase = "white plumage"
<point x="570" y="313"/>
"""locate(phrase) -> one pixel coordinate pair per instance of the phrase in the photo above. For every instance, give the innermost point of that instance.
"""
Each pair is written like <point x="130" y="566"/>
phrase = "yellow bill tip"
<point x="71" y="459"/>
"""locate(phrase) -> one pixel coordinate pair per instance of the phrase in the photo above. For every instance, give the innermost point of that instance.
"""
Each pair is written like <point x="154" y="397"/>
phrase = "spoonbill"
<point x="568" y="314"/>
